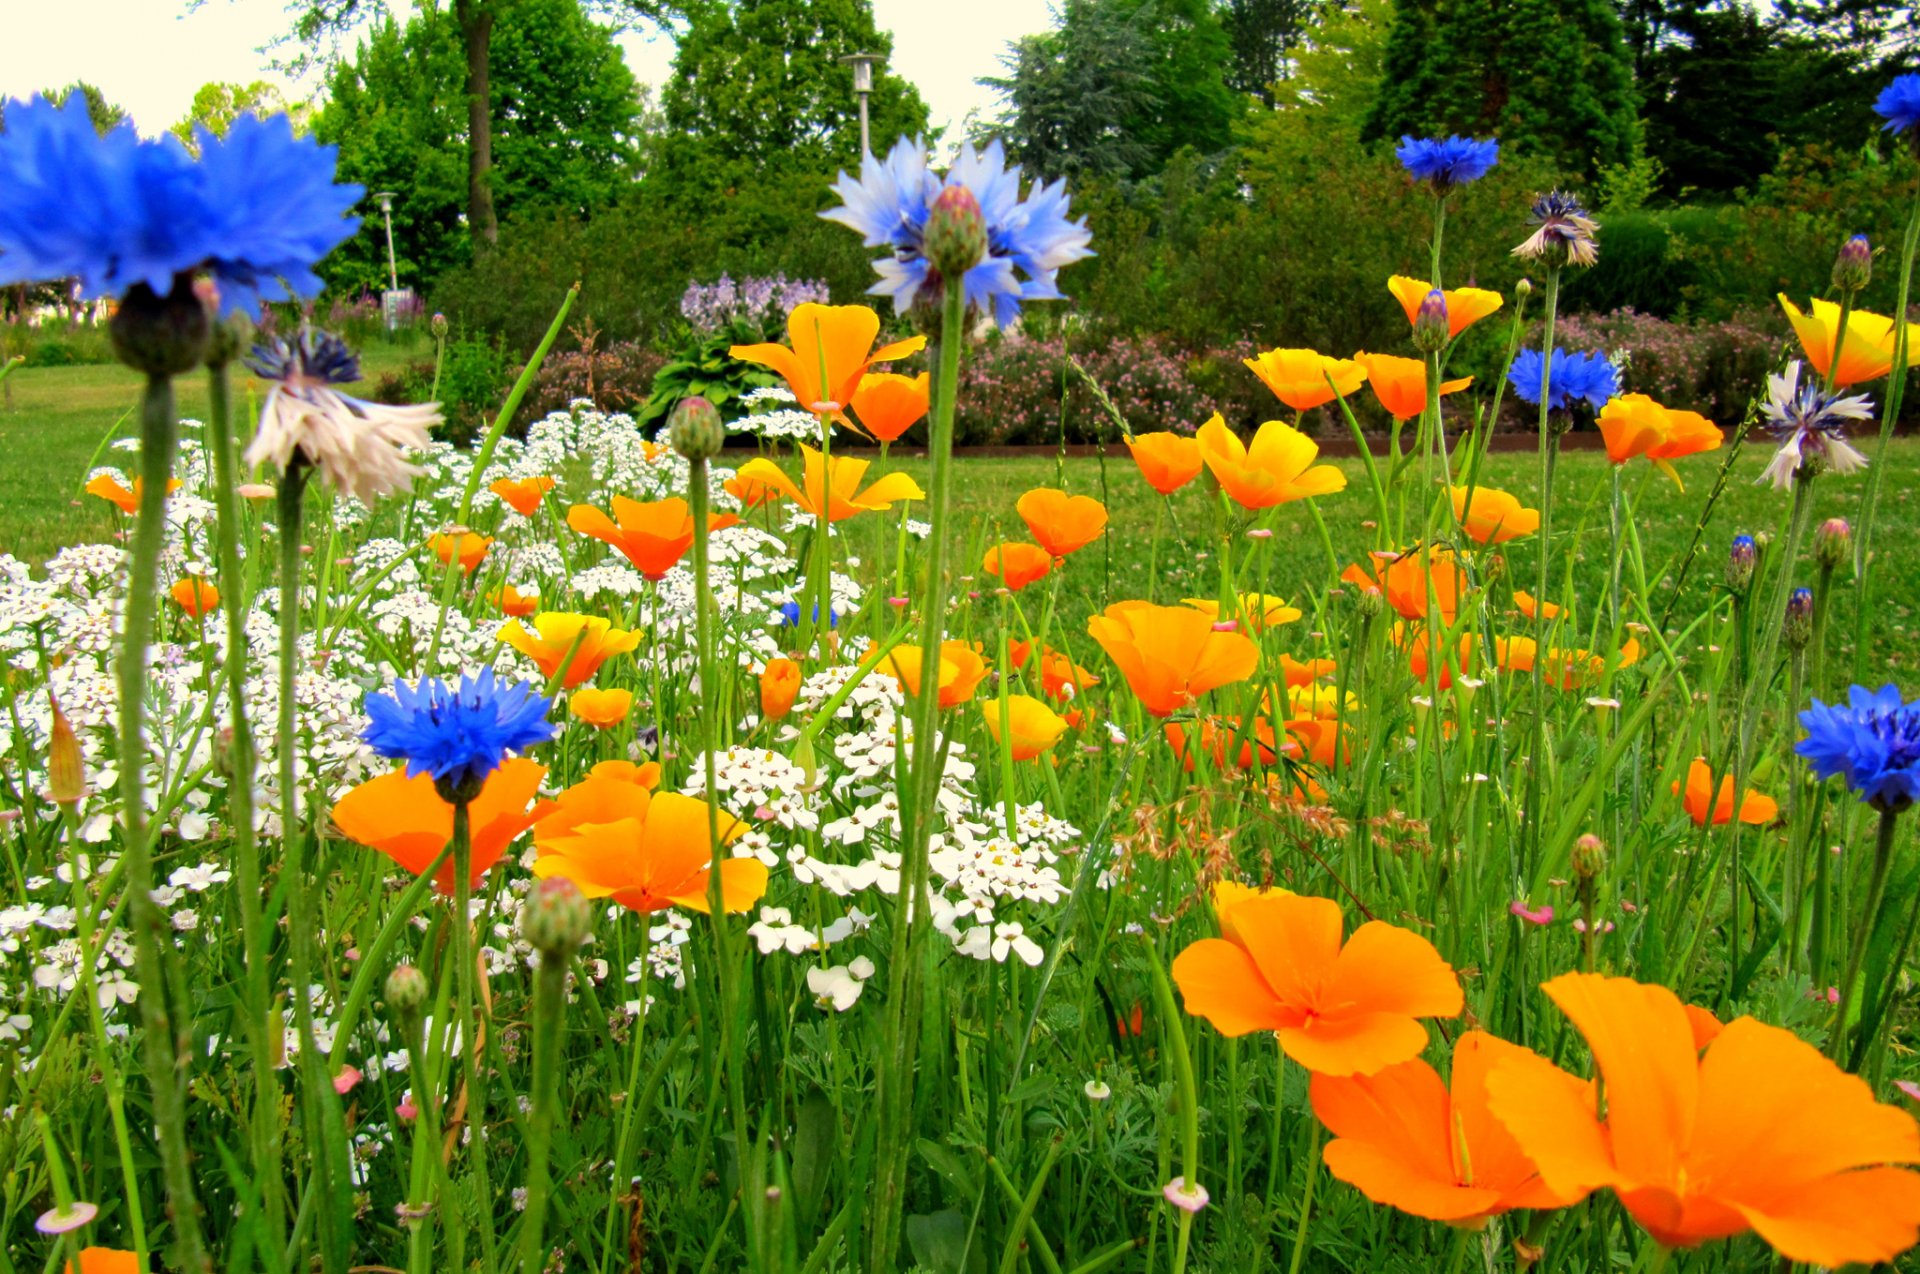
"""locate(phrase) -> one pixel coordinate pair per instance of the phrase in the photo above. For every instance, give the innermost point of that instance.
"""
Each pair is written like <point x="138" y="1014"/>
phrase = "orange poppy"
<point x="1260" y="611"/>
<point x="522" y="495"/>
<point x="646" y="851"/>
<point x="1564" y="669"/>
<point x="1410" y="1140"/>
<point x="1168" y="461"/>
<point x="888" y="404"/>
<point x="779" y="687"/>
<point x="1017" y="565"/>
<point x="579" y="642"/>
<point x="646" y="774"/>
<point x="601" y="709"/>
<point x="1217" y="732"/>
<point x="751" y="492"/>
<point x="1061" y="678"/>
<point x="1636" y="425"/>
<point x="1534" y="609"/>
<point x="961" y="671"/>
<point x="1415" y="640"/>
<point x="839" y="489"/>
<point x="1298" y="673"/>
<point x="1754" y="807"/>
<point x="1759" y="1132"/>
<point x="109" y="488"/>
<point x="1413" y="581"/>
<point x="1492" y="517"/>
<point x="195" y="595"/>
<point x="1170" y="655"/>
<point x="513" y="603"/>
<point x="405" y="819"/>
<point x="468" y="547"/>
<point x="1401" y="383"/>
<point x="830" y="348"/>
<point x="1035" y="726"/>
<point x="1465" y="306"/>
<point x="105" y="1260"/>
<point x="1868" y="351"/>
<point x="1278" y="468"/>
<point x="653" y="534"/>
<point x="1298" y="377"/>
<point x="1061" y="523"/>
<point x="1349" y="1008"/>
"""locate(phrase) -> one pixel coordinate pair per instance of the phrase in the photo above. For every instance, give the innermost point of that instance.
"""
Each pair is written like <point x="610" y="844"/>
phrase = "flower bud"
<point x="1832" y="543"/>
<point x="695" y="429"/>
<point x="1493" y="569"/>
<point x="1589" y="857"/>
<point x="66" y="767"/>
<point x="555" y="918"/>
<point x="1370" y="604"/>
<point x="1430" y="330"/>
<point x="1853" y="265"/>
<point x="1741" y="559"/>
<point x="438" y="326"/>
<point x="162" y="336"/>
<point x="1796" y="630"/>
<point x="406" y="989"/>
<point x="956" y="234"/>
<point x="1523" y="289"/>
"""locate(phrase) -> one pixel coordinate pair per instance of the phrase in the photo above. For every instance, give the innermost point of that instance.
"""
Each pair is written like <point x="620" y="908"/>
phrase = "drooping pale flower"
<point x="1811" y="425"/>
<point x="1563" y="233"/>
<point x="359" y="447"/>
<point x="456" y="734"/>
<point x="1446" y="162"/>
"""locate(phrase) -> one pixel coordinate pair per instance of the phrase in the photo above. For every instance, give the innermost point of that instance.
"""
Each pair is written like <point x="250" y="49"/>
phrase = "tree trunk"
<point x="476" y="26"/>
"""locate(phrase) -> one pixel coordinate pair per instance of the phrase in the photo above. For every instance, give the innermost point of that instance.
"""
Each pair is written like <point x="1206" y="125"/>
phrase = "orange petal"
<point x="1220" y="982"/>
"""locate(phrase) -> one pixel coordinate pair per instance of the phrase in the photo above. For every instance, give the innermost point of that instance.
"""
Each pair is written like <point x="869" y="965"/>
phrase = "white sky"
<point x="150" y="56"/>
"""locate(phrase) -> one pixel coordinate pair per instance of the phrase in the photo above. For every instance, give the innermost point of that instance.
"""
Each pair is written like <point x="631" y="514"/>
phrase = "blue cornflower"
<point x="789" y="616"/>
<point x="458" y="734"/>
<point x="257" y="211"/>
<point x="1446" y="162"/>
<point x="1811" y="425"/>
<point x="1575" y="377"/>
<point x="1899" y="104"/>
<point x="1028" y="239"/>
<point x="1873" y="743"/>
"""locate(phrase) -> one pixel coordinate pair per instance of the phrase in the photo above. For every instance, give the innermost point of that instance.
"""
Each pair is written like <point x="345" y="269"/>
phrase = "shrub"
<point x="1711" y="368"/>
<point x="617" y="378"/>
<point x="473" y="379"/>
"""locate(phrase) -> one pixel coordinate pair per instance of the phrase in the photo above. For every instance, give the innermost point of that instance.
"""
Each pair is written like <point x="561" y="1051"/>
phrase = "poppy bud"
<point x="66" y="767"/>
<point x="695" y="429"/>
<point x="1741" y="559"/>
<point x="1370" y="604"/>
<point x="1853" y="265"/>
<point x="779" y="686"/>
<point x="1430" y="331"/>
<point x="406" y="989"/>
<point x="1796" y="630"/>
<point x="1589" y="857"/>
<point x="555" y="918"/>
<point x="956" y="234"/>
<point x="1832" y="543"/>
<point x="162" y="336"/>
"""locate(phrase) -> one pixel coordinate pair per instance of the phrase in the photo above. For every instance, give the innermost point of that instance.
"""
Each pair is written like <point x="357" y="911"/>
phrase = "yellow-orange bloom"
<point x="1492" y="517"/>
<point x="751" y="492"/>
<point x="1259" y="611"/>
<point x="1338" y="1008"/>
<point x="646" y="851"/>
<point x="1168" y="461"/>
<point x="645" y="774"/>
<point x="405" y="819"/>
<point x="836" y="339"/>
<point x="653" y="534"/>
<point x="961" y="670"/>
<point x="522" y="495"/>
<point x="1170" y="655"/>
<point x="1061" y="523"/>
<point x="1298" y="673"/>
<point x="1216" y="733"/>
<point x="1405" y="1138"/>
<point x="1278" y="468"/>
<point x="1035" y="726"/>
<point x="1755" y="807"/>
<point x="1401" y="383"/>
<point x="1564" y="669"/>
<point x="840" y="490"/>
<point x="1868" y="351"/>
<point x="1060" y="677"/>
<point x="1298" y="377"/>
<point x="1465" y="306"/>
<point x="109" y="488"/>
<point x="1017" y="564"/>
<point x="779" y="687"/>
<point x="469" y="547"/>
<point x="1534" y="609"/>
<point x="888" y="404"/>
<point x="106" y="1260"/>
<point x="1636" y="425"/>
<point x="601" y="709"/>
<point x="1759" y="1132"/>
<point x="513" y="603"/>
<point x="195" y="595"/>
<point x="1413" y="582"/>
<point x="579" y="642"/>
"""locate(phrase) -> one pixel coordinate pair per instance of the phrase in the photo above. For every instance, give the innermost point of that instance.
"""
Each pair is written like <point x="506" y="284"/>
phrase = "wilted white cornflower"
<point x="1811" y="425"/>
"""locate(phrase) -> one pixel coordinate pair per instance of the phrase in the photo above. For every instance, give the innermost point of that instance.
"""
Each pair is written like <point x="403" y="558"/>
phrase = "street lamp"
<point x="391" y="302"/>
<point x="863" y="64"/>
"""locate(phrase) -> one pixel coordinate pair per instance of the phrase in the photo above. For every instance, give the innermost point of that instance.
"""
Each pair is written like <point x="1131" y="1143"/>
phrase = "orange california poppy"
<point x="1533" y="609"/>
<point x="961" y="671"/>
<point x="1298" y="673"/>
<point x="1636" y="425"/>
<point x="195" y="595"/>
<point x="405" y="819"/>
<point x="1168" y="461"/>
<point x="470" y="548"/>
<point x="105" y="1260"/>
<point x="1868" y="351"/>
<point x="1413" y="581"/>
<point x="1563" y="669"/>
<point x="579" y="642"/>
<point x="1017" y="564"/>
<point x="1415" y="640"/>
<point x="1298" y="377"/>
<point x="1492" y="517"/>
<point x="1759" y="1132"/>
<point x="1061" y="678"/>
<point x="1401" y="383"/>
<point x="513" y="603"/>
<point x="1754" y="806"/>
<point x="836" y="340"/>
<point x="751" y="492"/>
<point x="645" y="774"/>
<point x="1339" y="1009"/>
<point x="841" y="488"/>
<point x="1410" y="1140"/>
<point x="653" y="534"/>
<point x="601" y="709"/>
<point x="779" y="687"/>
<point x="1259" y="611"/>
<point x="1035" y="726"/>
<point x="1465" y="306"/>
<point x="1278" y="468"/>
<point x="1216" y="733"/>
<point x="888" y="404"/>
<point x="109" y="488"/>
<point x="646" y="851"/>
<point x="1061" y="523"/>
<point x="1170" y="655"/>
<point x="522" y="495"/>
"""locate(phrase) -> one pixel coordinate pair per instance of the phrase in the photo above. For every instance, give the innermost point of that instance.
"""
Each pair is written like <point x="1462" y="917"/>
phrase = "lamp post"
<point x="863" y="64"/>
<point x="388" y="302"/>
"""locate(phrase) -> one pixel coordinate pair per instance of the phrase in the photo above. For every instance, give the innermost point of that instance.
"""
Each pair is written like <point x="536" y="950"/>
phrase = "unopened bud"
<point x="555" y="918"/>
<point x="1370" y="604"/>
<point x="1796" y="630"/>
<point x="66" y="767"/>
<point x="406" y="989"/>
<point x="1493" y="568"/>
<point x="1523" y="289"/>
<point x="695" y="429"/>
<point x="1853" y="265"/>
<point x="1741" y="559"/>
<point x="956" y="235"/>
<point x="1589" y="857"/>
<point x="162" y="335"/>
<point x="1430" y="331"/>
<point x="1832" y="543"/>
<point x="438" y="326"/>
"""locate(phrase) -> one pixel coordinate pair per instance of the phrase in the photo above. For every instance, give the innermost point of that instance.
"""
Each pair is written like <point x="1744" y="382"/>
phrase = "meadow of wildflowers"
<point x="588" y="852"/>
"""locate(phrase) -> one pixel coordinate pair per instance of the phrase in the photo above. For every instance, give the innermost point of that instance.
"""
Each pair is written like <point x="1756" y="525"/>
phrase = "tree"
<point x="218" y="104"/>
<point x="1263" y="33"/>
<point x="105" y="115"/>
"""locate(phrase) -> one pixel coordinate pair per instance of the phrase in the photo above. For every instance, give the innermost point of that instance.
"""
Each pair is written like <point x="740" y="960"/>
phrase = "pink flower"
<point x="1907" y="1086"/>
<point x="1532" y="915"/>
<point x="1580" y="926"/>
<point x="1188" y="1198"/>
<point x="1227" y="626"/>
<point x="344" y="1082"/>
<point x="406" y="1110"/>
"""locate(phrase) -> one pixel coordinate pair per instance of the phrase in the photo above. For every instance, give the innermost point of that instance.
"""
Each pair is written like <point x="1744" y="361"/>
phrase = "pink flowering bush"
<point x="1711" y="368"/>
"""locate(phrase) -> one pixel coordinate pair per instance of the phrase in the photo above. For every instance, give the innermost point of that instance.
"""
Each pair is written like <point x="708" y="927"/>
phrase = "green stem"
<point x="549" y="1029"/>
<point x="1549" y="454"/>
<point x="1876" y="891"/>
<point x="472" y="1046"/>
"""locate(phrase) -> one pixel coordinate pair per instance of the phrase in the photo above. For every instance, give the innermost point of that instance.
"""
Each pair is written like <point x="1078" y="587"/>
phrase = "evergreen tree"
<point x="1263" y="33"/>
